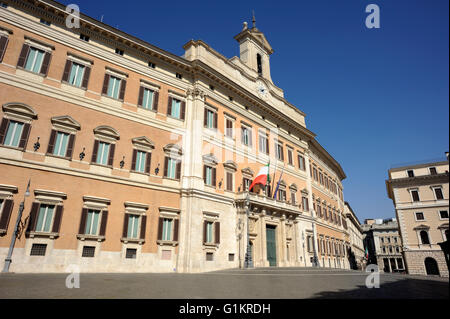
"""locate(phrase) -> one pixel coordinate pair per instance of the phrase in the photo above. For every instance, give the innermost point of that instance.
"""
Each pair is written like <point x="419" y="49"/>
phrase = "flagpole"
<point x="273" y="181"/>
<point x="278" y="184"/>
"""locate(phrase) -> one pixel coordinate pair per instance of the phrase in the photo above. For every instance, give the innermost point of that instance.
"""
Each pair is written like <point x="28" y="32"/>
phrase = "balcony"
<point x="269" y="203"/>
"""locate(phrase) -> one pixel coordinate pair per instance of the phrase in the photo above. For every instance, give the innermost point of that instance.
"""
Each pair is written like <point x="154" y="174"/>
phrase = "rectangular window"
<point x="415" y="195"/>
<point x="229" y="181"/>
<point x="133" y="226"/>
<point x="209" y="256"/>
<point x="208" y="175"/>
<point x="84" y="37"/>
<point x="229" y="128"/>
<point x="279" y="151"/>
<point x="176" y="108"/>
<point x="209" y="232"/>
<point x="246" y="183"/>
<point x="230" y="257"/>
<point x="263" y="143"/>
<point x="76" y="74"/>
<point x="305" y="204"/>
<point x="433" y="171"/>
<point x="410" y="173"/>
<point x="38" y="249"/>
<point x="60" y="148"/>
<point x="140" y="161"/>
<point x="147" y="99"/>
<point x="246" y="138"/>
<point x="301" y="162"/>
<point x="290" y="158"/>
<point x="171" y="168"/>
<point x="315" y="174"/>
<point x="293" y="199"/>
<point x="281" y="195"/>
<point x="45" y="217"/>
<point x="438" y="192"/>
<point x="443" y="214"/>
<point x="102" y="153"/>
<point x="88" y="251"/>
<point x="419" y="216"/>
<point x="167" y="229"/>
<point x="131" y="253"/>
<point x="92" y="221"/>
<point x="210" y="119"/>
<point x="13" y="134"/>
<point x="34" y="60"/>
<point x="119" y="51"/>
<point x="113" y="87"/>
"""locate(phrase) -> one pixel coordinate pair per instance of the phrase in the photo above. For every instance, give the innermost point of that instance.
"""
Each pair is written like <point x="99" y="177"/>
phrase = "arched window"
<point x="424" y="237"/>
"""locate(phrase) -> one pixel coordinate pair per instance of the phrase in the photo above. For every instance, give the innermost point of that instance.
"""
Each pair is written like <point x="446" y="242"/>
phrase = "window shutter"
<point x="205" y="227"/>
<point x="141" y="96"/>
<point x="155" y="100"/>
<point x="183" y="110"/>
<point x="166" y="163"/>
<point x="175" y="230"/>
<point x="112" y="148"/>
<point x="229" y="181"/>
<point x="46" y="63"/>
<point x="242" y="135"/>
<point x="169" y="106"/>
<point x="123" y="85"/>
<point x="6" y="213"/>
<point x="267" y="145"/>
<point x="33" y="216"/>
<point x="3" y="44"/>
<point x="125" y="226"/>
<point x="25" y="134"/>
<point x="178" y="172"/>
<point x="215" y="120"/>
<point x="217" y="229"/>
<point x="23" y="56"/>
<point x="66" y="72"/>
<point x="70" y="146"/>
<point x="250" y="137"/>
<point x="133" y="160"/>
<point x="148" y="161"/>
<point x="205" y="117"/>
<point x="160" y="228"/>
<point x="213" y="179"/>
<point x="94" y="152"/>
<point x="58" y="218"/>
<point x="3" y="128"/>
<point x="105" y="84"/>
<point x="51" y="143"/>
<point x="87" y="73"/>
<point x="143" y="226"/>
<point x="82" y="228"/>
<point x="103" y="224"/>
<point x="204" y="174"/>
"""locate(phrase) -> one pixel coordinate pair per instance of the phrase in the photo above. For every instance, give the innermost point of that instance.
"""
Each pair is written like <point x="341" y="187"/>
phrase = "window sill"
<point x="2" y="231"/>
<point x="175" y="118"/>
<point x="210" y="246"/>
<point x="167" y="243"/>
<point x="101" y="165"/>
<point x="132" y="240"/>
<point x="33" y="234"/>
<point x="112" y="98"/>
<point x="146" y="109"/>
<point x="14" y="147"/>
<point x="171" y="179"/>
<point x="60" y="157"/>
<point x="141" y="173"/>
<point x="74" y="86"/>
<point x="84" y="237"/>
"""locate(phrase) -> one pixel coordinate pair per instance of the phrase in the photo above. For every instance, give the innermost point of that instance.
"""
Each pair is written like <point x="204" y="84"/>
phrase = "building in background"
<point x="356" y="249"/>
<point x="384" y="245"/>
<point x="420" y="194"/>
<point x="140" y="160"/>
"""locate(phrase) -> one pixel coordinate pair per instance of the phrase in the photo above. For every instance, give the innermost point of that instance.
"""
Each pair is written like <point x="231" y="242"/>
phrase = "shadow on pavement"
<point x="407" y="288"/>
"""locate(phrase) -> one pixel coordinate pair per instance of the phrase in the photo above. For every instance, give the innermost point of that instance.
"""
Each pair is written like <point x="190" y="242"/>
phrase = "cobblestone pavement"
<point x="260" y="283"/>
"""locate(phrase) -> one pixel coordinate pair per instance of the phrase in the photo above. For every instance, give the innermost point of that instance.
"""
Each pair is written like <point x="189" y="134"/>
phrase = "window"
<point x="419" y="216"/>
<point x="3" y="44"/>
<point x="172" y="168"/>
<point x="259" y="63"/>
<point x="133" y="226"/>
<point x="443" y="214"/>
<point x="60" y="146"/>
<point x="438" y="193"/>
<point x="167" y="229"/>
<point x="316" y="177"/>
<point x="397" y="249"/>
<point x="433" y="171"/>
<point x="45" y="217"/>
<point x="400" y="263"/>
<point x="151" y="64"/>
<point x="209" y="256"/>
<point x="229" y="128"/>
<point x="102" y="153"/>
<point x="113" y="87"/>
<point x="34" y="60"/>
<point x="3" y="4"/>
<point x="246" y="137"/>
<point x="229" y="177"/>
<point x="38" y="249"/>
<point x="305" y="204"/>
<point x="230" y="257"/>
<point x="415" y="195"/>
<point x="209" y="232"/>
<point x="263" y="143"/>
<point x="43" y="21"/>
<point x="84" y="37"/>
<point x="301" y="162"/>
<point x="76" y="74"/>
<point x="410" y="173"/>
<point x="293" y="199"/>
<point x="131" y="253"/>
<point x="246" y="183"/>
<point x="179" y="76"/>
<point x="321" y="177"/>
<point x="210" y="119"/>
<point x="92" y="222"/>
<point x="424" y="237"/>
<point x="88" y="251"/>
<point x="290" y="157"/>
<point x="13" y="134"/>
<point x="282" y="195"/>
<point x="279" y="151"/>
<point x="384" y="250"/>
<point x="176" y="108"/>
<point x="119" y="51"/>
<point x="209" y="175"/>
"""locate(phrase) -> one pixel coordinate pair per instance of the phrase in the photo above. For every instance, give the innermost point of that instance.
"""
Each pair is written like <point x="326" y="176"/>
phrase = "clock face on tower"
<point x="261" y="89"/>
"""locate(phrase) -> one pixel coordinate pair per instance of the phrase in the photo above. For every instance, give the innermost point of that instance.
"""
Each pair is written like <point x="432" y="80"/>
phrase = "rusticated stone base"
<point x="415" y="261"/>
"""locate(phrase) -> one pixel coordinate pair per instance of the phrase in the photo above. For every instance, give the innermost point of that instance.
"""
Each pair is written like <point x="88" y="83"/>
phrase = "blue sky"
<point x="374" y="97"/>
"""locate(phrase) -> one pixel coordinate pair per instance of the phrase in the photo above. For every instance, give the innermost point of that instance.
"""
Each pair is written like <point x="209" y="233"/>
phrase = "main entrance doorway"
<point x="271" y="245"/>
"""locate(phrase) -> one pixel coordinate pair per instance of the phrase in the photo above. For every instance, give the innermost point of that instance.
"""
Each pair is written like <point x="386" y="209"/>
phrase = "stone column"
<point x="283" y="240"/>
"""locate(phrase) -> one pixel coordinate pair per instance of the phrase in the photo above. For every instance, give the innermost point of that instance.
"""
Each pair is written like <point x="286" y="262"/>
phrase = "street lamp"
<point x="8" y="259"/>
<point x="248" y="254"/>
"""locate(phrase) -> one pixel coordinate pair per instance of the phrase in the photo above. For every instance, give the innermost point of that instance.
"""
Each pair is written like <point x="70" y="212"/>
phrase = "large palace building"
<point x="139" y="160"/>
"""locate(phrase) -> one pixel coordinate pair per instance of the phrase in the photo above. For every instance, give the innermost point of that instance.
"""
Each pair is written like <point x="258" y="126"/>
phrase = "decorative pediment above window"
<point x="143" y="142"/>
<point x="173" y="149"/>
<point x="283" y="183"/>
<point x="210" y="159"/>
<point x="421" y="227"/>
<point x="136" y="208"/>
<point x="247" y="171"/>
<point x="65" y="122"/>
<point x="293" y="187"/>
<point x="231" y="165"/>
<point x="324" y="202"/>
<point x="50" y="197"/>
<point x="19" y="111"/>
<point x="443" y="226"/>
<point x="305" y="192"/>
<point x="106" y="132"/>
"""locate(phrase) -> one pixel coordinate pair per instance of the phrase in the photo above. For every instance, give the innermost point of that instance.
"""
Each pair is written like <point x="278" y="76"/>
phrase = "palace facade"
<point x="139" y="160"/>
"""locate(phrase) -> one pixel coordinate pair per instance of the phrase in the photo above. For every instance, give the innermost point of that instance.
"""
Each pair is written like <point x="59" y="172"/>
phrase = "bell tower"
<point x="255" y="50"/>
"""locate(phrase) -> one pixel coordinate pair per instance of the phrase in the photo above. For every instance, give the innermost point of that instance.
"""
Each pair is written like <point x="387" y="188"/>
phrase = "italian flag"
<point x="262" y="177"/>
<point x="367" y="253"/>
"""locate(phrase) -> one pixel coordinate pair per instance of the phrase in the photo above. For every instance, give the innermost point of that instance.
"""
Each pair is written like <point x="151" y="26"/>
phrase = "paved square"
<point x="263" y="283"/>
